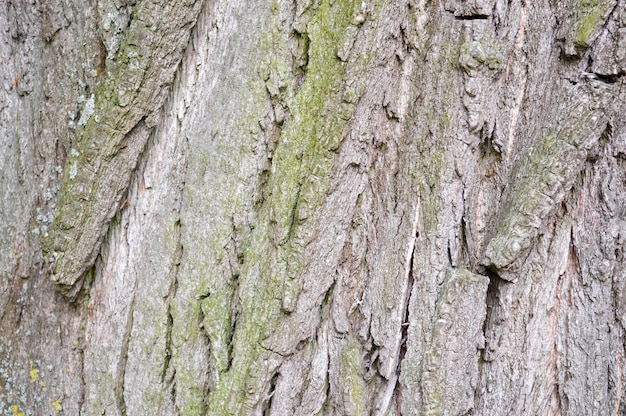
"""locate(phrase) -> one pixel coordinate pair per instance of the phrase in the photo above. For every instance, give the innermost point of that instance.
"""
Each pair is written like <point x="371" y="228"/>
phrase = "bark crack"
<point x="267" y="408"/>
<point x="405" y="319"/>
<point x="472" y="17"/>
<point x="168" y="375"/>
<point x="392" y="384"/>
<point x="81" y="372"/>
<point x="121" y="364"/>
<point x="168" y="345"/>
<point x="173" y="277"/>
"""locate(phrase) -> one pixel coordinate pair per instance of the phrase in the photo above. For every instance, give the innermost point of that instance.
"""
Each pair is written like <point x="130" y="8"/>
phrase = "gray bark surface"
<point x="300" y="207"/>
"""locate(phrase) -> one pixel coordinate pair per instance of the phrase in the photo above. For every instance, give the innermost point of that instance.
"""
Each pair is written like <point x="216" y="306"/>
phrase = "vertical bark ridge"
<point x="115" y="125"/>
<point x="391" y="391"/>
<point x="145" y="381"/>
<point x="40" y="80"/>
<point x="120" y="371"/>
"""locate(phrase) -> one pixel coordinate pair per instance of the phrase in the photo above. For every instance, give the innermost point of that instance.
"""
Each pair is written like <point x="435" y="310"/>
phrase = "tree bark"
<point x="299" y="207"/>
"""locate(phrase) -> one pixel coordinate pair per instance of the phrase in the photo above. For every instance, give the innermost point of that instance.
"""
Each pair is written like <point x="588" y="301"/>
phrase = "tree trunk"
<point x="299" y="207"/>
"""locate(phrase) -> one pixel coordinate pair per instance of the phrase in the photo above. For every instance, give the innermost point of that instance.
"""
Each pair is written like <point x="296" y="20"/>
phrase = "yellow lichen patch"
<point x="57" y="406"/>
<point x="75" y="343"/>
<point x="16" y="410"/>
<point x="34" y="374"/>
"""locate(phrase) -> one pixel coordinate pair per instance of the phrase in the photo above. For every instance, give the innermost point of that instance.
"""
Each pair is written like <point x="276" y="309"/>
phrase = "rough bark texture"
<point x="299" y="207"/>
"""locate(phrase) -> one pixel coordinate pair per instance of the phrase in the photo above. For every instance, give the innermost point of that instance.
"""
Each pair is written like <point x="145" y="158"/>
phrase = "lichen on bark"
<point x="312" y="133"/>
<point x="322" y="174"/>
<point x="105" y="153"/>
<point x="585" y="24"/>
<point x="544" y="175"/>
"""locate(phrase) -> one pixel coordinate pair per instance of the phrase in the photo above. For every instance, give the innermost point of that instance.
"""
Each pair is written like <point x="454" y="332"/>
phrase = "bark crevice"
<point x="120" y="372"/>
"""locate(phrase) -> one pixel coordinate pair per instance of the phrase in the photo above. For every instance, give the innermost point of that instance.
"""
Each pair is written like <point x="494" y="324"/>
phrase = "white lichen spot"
<point x="88" y="110"/>
<point x="74" y="153"/>
<point x="114" y="47"/>
<point x="106" y="23"/>
<point x="73" y="170"/>
<point x="41" y="217"/>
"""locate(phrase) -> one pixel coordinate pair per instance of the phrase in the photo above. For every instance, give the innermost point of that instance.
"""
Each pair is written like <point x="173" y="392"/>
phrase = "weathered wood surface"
<point x="312" y="207"/>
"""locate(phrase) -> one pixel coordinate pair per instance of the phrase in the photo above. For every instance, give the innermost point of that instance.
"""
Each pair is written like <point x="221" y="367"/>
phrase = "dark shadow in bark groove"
<point x="168" y="345"/>
<point x="206" y="340"/>
<point x="267" y="407"/>
<point x="231" y="343"/>
<point x="491" y="318"/>
<point x="472" y="17"/>
<point x="404" y="328"/>
<point x="173" y="278"/>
